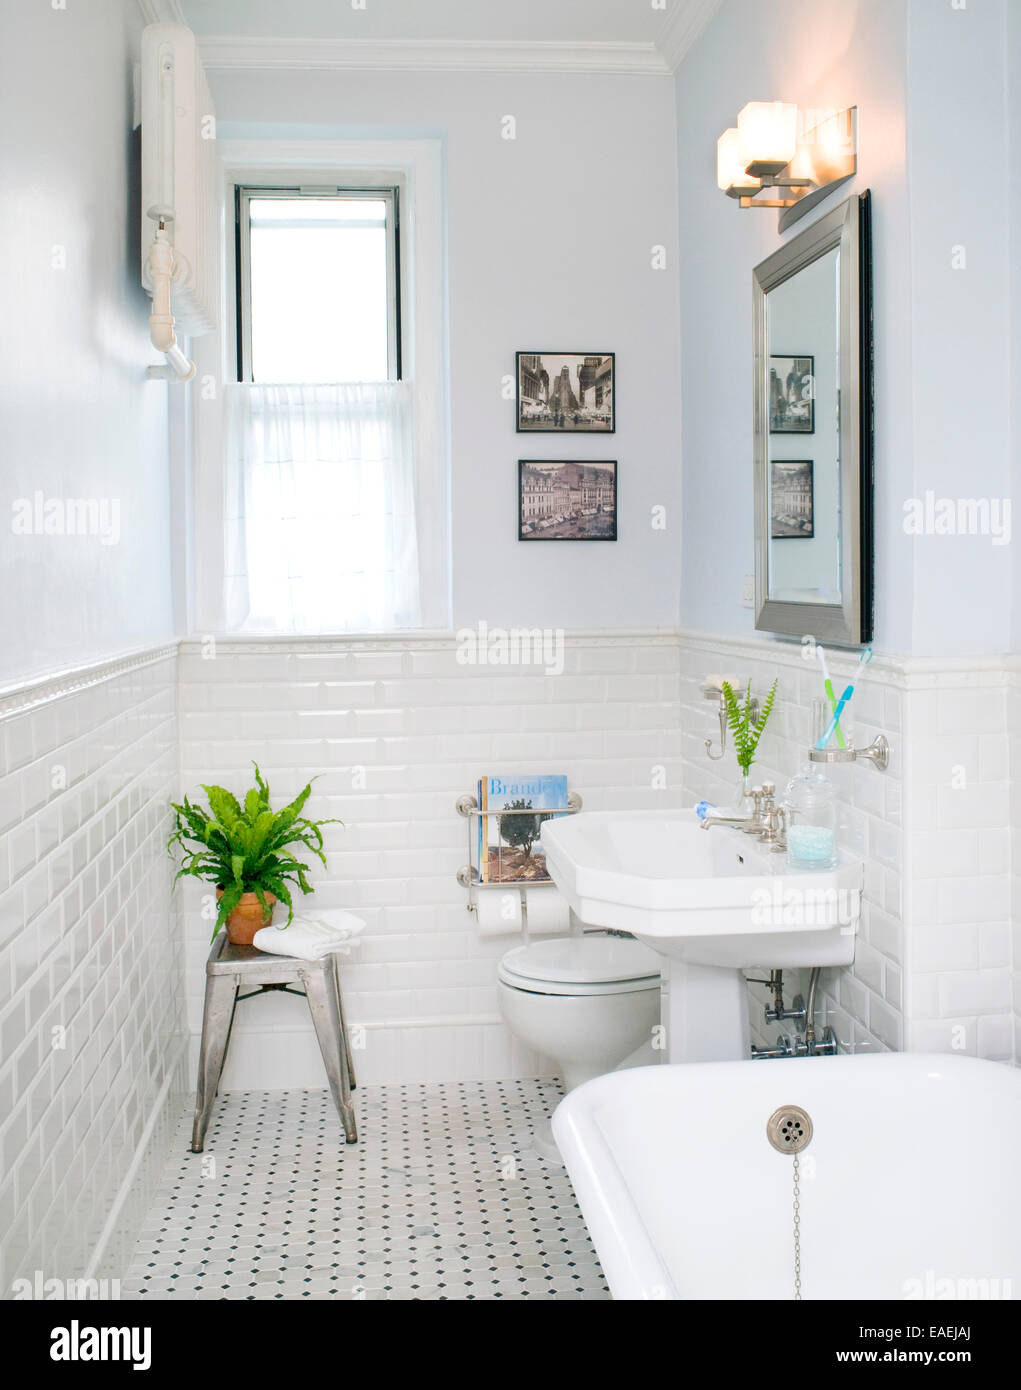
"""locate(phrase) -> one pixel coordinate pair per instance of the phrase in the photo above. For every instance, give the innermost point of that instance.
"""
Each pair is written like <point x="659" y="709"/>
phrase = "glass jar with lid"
<point x="811" y="803"/>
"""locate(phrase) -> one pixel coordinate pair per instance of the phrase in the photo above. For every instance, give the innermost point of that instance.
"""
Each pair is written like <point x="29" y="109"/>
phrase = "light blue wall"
<point x="80" y="420"/>
<point x="961" y="339"/>
<point x="929" y="81"/>
<point x="1013" y="48"/>
<point x="551" y="243"/>
<point x="831" y="54"/>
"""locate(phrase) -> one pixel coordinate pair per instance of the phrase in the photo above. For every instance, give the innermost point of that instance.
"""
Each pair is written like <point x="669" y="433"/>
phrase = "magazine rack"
<point x="468" y="876"/>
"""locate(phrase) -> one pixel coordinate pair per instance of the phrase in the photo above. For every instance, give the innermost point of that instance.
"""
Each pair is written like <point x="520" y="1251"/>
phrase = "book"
<point x="509" y="850"/>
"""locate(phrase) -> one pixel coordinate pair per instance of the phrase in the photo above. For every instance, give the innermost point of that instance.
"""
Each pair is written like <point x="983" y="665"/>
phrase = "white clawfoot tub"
<point x="910" y="1185"/>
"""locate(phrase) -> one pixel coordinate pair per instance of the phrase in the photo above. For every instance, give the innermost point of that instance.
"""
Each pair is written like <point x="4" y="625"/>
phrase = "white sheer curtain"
<point x="320" y="509"/>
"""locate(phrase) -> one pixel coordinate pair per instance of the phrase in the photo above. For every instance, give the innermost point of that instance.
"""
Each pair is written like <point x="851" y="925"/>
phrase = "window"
<point x="318" y="285"/>
<point x="322" y="527"/>
<point x="333" y="447"/>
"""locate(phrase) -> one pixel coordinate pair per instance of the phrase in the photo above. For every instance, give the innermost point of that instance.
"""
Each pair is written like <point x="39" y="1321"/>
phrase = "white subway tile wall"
<point x="396" y="731"/>
<point x="958" y="814"/>
<point x="91" y="996"/>
<point x="934" y="831"/>
<point x="862" y="1004"/>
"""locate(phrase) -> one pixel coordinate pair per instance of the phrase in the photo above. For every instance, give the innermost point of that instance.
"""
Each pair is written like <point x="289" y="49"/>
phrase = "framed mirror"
<point x="813" y="431"/>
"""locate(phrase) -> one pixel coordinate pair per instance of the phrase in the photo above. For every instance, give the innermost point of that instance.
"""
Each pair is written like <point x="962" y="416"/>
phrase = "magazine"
<point x="509" y="850"/>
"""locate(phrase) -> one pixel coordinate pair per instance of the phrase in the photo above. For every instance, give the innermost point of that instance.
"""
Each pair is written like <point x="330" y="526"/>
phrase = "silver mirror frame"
<point x="849" y="622"/>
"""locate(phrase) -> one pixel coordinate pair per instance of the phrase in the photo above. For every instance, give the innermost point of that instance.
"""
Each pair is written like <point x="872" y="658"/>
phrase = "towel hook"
<point x="715" y="692"/>
<point x="710" y="694"/>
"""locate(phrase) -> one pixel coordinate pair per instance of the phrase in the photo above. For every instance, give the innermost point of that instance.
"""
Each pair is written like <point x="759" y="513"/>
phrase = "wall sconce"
<point x="767" y="133"/>
<point x="765" y="150"/>
<point x="731" y="174"/>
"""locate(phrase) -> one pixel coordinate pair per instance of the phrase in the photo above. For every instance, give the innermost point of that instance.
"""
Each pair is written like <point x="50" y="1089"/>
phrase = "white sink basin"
<point x="709" y="897"/>
<point x="713" y="902"/>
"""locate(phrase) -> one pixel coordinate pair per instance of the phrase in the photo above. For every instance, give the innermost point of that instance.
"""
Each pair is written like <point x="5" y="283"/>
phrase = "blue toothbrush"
<point x="831" y="728"/>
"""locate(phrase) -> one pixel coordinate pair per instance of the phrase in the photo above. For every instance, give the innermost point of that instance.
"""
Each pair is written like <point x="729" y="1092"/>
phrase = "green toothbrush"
<point x="827" y="685"/>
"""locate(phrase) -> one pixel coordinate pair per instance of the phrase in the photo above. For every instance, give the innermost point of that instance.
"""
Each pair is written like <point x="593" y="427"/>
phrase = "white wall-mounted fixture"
<point x="806" y="154"/>
<point x="161" y="269"/>
<point x="180" y="258"/>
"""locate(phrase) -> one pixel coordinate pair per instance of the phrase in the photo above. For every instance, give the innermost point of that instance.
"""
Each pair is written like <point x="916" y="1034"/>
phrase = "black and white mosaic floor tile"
<point x="441" y="1198"/>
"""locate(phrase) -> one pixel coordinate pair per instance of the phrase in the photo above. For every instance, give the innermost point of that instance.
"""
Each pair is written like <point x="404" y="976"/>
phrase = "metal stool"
<point x="229" y="968"/>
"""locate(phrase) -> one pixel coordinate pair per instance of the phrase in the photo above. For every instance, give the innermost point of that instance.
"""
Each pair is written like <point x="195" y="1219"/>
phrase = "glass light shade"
<point x="802" y="166"/>
<point x="730" y="174"/>
<point x="832" y="138"/>
<point x="768" y="135"/>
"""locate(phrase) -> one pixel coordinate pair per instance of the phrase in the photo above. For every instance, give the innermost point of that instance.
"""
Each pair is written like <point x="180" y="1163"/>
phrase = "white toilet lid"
<point x="584" y="962"/>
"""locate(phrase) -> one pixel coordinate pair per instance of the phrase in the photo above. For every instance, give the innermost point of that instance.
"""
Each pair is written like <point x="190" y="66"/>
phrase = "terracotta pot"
<point x="247" y="918"/>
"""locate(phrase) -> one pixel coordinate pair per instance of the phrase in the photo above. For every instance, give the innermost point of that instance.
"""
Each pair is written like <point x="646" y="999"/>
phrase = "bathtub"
<point x="910" y="1186"/>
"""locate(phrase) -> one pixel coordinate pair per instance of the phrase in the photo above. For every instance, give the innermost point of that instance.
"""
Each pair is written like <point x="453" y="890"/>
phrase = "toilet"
<point x="586" y="1002"/>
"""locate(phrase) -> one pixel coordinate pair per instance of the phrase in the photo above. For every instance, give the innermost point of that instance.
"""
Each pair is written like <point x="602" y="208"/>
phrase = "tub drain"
<point x="789" y="1130"/>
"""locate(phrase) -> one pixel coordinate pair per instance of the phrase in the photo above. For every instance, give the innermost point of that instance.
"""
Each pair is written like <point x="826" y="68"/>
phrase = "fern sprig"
<point x="745" y="730"/>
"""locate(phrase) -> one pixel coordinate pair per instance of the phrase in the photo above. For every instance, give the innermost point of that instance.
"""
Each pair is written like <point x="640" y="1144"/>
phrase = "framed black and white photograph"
<point x="566" y="392"/>
<point x="791" y="395"/>
<point x="559" y="501"/>
<point x="791" y="500"/>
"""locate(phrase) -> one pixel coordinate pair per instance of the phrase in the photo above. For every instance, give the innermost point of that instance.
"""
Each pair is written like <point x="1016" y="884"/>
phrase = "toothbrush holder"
<point x="877" y="752"/>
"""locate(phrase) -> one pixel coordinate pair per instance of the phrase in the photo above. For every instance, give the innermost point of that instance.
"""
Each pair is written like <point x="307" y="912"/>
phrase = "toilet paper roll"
<point x="546" y="912"/>
<point x="499" y="912"/>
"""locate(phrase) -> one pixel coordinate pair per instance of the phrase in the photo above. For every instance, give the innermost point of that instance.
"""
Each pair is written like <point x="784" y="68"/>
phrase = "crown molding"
<point x="162" y="12"/>
<point x="684" y="23"/>
<point x="231" y="54"/>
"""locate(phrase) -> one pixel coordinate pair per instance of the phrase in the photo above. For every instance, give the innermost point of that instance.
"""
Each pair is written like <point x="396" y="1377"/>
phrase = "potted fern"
<point x="746" y="728"/>
<point x="243" y="849"/>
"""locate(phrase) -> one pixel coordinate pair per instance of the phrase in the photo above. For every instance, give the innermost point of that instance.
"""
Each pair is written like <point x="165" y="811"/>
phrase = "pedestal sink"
<point x="712" y="903"/>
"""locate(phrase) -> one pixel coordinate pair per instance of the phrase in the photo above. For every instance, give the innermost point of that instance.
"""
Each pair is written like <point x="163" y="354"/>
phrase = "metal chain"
<point x="797" y="1230"/>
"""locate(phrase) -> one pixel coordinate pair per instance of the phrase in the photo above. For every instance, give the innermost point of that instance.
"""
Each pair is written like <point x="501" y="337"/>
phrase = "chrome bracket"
<point x="877" y="753"/>
<point x="713" y="692"/>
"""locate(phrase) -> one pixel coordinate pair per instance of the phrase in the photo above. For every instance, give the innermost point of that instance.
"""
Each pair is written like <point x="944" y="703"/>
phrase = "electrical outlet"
<point x="748" y="591"/>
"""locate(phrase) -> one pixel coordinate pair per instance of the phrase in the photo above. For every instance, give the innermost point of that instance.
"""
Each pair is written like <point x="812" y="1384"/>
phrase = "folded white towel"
<point x="311" y="935"/>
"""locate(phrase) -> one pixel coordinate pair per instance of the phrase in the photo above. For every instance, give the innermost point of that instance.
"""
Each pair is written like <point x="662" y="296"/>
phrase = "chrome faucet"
<point x="768" y="821"/>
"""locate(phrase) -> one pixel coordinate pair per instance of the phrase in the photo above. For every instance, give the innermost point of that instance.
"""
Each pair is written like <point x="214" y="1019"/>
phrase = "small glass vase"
<point x="744" y="802"/>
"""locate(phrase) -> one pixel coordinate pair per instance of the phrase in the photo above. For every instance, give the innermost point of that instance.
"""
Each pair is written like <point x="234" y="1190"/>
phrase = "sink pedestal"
<point x="704" y="1009"/>
<point x="711" y="904"/>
